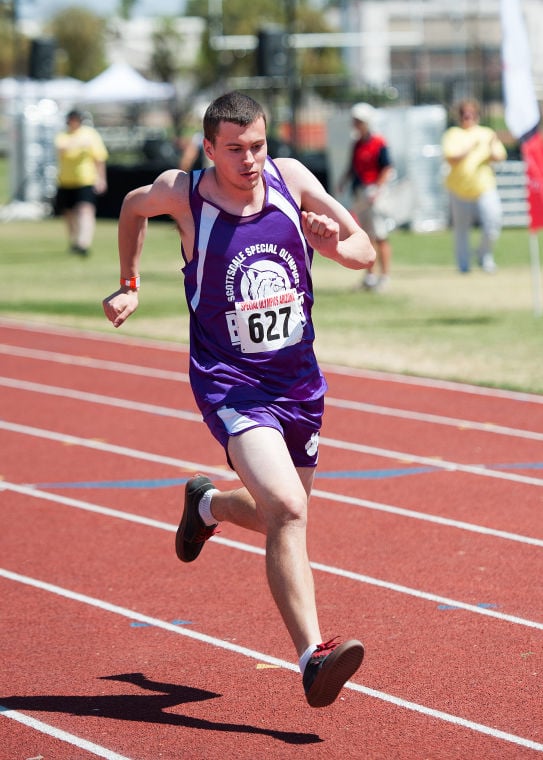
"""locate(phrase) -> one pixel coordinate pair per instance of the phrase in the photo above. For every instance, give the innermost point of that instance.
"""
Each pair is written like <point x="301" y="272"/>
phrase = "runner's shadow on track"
<point x="144" y="708"/>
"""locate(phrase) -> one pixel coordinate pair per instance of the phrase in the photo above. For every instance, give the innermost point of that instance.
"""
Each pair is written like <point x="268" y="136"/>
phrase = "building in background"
<point x="131" y="41"/>
<point x="398" y="53"/>
<point x="426" y="46"/>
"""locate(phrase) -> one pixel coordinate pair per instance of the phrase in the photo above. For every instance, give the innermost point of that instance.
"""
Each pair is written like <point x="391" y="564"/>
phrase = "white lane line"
<point x="87" y="506"/>
<point x="429" y="382"/>
<point x="434" y="462"/>
<point x="241" y="546"/>
<point x="426" y="517"/>
<point x="93" y="336"/>
<point x="63" y="736"/>
<point x="261" y="657"/>
<point x="405" y="457"/>
<point x="356" y="501"/>
<point x="434" y="419"/>
<point x="72" y="440"/>
<point x="99" y="398"/>
<point x="134" y="369"/>
<point x="87" y="361"/>
<point x="226" y="474"/>
<point x="352" y="372"/>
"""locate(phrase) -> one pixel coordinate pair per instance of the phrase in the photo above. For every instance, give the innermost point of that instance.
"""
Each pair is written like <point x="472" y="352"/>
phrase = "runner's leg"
<point x="279" y="493"/>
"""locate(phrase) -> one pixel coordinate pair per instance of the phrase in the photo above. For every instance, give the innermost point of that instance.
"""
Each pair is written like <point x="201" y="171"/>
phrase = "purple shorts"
<point x="298" y="422"/>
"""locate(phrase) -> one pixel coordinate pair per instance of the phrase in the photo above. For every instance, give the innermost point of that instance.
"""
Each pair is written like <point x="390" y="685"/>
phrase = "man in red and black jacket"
<point x="369" y="171"/>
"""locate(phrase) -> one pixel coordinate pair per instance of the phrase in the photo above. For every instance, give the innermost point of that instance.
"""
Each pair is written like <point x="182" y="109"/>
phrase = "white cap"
<point x="363" y="112"/>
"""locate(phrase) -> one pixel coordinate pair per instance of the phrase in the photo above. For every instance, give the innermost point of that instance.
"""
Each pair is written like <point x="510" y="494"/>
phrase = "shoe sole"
<point x="340" y="665"/>
<point x="186" y="551"/>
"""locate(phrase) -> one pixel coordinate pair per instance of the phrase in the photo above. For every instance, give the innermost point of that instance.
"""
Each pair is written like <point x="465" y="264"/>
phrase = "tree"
<point x="166" y="64"/>
<point x="167" y="41"/>
<point x="314" y="62"/>
<point x="237" y="17"/>
<point x="80" y="34"/>
<point x="125" y="8"/>
<point x="14" y="46"/>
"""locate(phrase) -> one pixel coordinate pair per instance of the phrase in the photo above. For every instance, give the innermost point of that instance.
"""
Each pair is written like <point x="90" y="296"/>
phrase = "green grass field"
<point x="435" y="322"/>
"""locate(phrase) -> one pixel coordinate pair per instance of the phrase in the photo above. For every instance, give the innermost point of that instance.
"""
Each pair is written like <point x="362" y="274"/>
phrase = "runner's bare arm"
<point x="166" y="196"/>
<point x="326" y="223"/>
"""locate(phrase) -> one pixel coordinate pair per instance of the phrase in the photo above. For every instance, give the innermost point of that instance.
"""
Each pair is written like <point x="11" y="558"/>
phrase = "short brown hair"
<point x="233" y="107"/>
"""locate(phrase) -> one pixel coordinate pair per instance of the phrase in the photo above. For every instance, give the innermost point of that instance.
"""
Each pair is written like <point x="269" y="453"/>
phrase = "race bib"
<point x="270" y="323"/>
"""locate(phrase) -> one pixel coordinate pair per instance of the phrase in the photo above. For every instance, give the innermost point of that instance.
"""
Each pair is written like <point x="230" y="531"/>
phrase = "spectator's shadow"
<point x="146" y="708"/>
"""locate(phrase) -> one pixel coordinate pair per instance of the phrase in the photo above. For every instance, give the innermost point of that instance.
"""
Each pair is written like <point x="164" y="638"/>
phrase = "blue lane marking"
<point x="484" y="605"/>
<point x="154" y="483"/>
<point x="170" y="482"/>
<point x="137" y="624"/>
<point x="517" y="466"/>
<point x="376" y="474"/>
<point x="380" y="474"/>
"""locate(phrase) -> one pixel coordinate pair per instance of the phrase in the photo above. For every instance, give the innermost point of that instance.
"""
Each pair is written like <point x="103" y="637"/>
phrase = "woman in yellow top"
<point x="82" y="159"/>
<point x="470" y="149"/>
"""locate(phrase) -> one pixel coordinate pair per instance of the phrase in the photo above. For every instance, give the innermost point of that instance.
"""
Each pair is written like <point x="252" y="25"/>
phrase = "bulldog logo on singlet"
<point x="269" y="316"/>
<point x="262" y="279"/>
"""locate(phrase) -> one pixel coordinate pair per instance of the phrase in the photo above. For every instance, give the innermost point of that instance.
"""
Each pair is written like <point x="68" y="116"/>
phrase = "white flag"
<point x="521" y="108"/>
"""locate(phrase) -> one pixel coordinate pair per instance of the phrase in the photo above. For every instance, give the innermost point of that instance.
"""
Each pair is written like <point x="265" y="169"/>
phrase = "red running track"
<point x="425" y="533"/>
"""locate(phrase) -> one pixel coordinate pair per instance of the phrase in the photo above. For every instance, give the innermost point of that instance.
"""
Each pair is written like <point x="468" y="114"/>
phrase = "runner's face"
<point x="239" y="153"/>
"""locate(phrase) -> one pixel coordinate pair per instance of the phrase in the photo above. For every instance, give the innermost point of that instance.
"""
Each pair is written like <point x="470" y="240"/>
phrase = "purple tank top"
<point x="250" y="294"/>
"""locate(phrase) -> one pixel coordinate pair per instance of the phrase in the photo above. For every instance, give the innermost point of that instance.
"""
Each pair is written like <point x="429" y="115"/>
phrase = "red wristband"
<point x="133" y="283"/>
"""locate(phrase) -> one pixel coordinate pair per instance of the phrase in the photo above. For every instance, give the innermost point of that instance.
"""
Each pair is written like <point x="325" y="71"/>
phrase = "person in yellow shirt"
<point x="82" y="157"/>
<point x="470" y="149"/>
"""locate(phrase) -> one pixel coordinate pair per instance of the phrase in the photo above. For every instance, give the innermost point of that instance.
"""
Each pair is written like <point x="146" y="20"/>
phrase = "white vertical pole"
<point x="536" y="274"/>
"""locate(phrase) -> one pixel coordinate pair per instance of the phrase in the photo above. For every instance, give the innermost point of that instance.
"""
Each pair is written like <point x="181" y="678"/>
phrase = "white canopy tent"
<point x="120" y="83"/>
<point x="37" y="111"/>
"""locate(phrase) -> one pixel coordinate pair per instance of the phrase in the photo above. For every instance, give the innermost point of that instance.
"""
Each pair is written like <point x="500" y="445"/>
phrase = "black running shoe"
<point x="328" y="669"/>
<point x="193" y="532"/>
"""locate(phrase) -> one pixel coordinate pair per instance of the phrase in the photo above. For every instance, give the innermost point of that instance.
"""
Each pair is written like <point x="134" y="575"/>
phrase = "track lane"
<point x="407" y="611"/>
<point x="382" y="570"/>
<point x="422" y="489"/>
<point x="485" y="405"/>
<point x="101" y="638"/>
<point x="415" y="616"/>
<point x="465" y="451"/>
<point x="205" y="720"/>
<point x="513" y="511"/>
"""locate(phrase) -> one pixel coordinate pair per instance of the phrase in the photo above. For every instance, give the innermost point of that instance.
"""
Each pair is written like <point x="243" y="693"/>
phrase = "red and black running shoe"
<point x="329" y="668"/>
<point x="193" y="532"/>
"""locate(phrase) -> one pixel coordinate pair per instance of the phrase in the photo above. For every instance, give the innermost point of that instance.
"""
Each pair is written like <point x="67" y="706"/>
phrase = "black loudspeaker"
<point x="42" y="59"/>
<point x="272" y="53"/>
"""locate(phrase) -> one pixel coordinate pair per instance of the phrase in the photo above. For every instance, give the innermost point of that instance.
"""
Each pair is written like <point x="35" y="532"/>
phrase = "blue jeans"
<point x="486" y="209"/>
